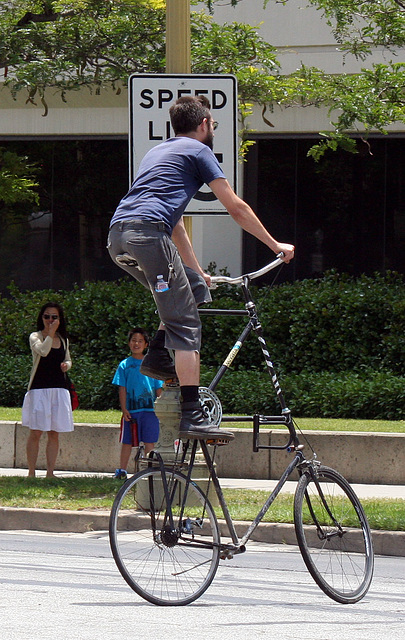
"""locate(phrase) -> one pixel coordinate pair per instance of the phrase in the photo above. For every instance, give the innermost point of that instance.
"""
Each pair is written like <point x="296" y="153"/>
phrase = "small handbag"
<point x="74" y="398"/>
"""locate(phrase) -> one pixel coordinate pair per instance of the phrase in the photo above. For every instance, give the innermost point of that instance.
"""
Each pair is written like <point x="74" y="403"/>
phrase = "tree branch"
<point x="42" y="17"/>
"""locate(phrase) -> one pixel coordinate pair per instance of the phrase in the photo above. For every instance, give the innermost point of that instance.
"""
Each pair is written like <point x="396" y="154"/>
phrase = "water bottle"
<point x="161" y="285"/>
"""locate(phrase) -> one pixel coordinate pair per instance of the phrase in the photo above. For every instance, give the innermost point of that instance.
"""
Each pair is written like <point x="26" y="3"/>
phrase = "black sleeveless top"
<point x="49" y="375"/>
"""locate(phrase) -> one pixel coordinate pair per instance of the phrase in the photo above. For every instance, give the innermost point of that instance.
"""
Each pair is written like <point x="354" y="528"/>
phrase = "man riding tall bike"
<point x="147" y="238"/>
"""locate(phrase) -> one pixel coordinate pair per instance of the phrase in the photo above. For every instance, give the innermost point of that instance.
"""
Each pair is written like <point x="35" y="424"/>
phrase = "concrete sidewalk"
<point x="61" y="521"/>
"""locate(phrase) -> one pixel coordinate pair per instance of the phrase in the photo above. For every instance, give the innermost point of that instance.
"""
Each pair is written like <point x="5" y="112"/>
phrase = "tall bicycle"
<point x="164" y="533"/>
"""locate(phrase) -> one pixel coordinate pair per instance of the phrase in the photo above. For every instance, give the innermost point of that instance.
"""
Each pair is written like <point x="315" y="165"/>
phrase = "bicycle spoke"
<point x="333" y="535"/>
<point x="165" y="565"/>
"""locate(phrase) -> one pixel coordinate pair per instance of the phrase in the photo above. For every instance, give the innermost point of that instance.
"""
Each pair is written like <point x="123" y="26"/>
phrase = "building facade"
<point x="347" y="212"/>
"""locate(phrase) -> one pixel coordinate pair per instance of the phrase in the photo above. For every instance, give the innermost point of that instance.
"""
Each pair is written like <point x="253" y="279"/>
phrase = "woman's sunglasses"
<point x="46" y="316"/>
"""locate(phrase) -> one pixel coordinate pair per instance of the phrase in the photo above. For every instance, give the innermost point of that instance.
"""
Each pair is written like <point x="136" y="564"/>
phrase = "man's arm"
<point x="186" y="251"/>
<point x="247" y="219"/>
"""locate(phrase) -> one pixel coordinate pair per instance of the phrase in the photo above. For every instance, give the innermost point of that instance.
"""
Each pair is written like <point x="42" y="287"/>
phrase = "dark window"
<point x="63" y="240"/>
<point x="346" y="212"/>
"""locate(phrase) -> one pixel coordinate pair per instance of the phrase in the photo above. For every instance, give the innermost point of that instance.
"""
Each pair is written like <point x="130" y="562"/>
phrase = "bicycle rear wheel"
<point x="333" y="535"/>
<point x="163" y="564"/>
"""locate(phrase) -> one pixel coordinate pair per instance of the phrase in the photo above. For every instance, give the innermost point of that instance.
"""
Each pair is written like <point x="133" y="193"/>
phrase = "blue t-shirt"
<point x="141" y="390"/>
<point x="169" y="175"/>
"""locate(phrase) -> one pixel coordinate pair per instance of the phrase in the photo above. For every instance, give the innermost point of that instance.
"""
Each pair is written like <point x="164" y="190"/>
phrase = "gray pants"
<point x="155" y="253"/>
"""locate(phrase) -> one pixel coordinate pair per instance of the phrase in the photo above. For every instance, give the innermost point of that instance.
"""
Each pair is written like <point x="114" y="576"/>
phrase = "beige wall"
<point x="301" y="36"/>
<point x="82" y="114"/>
<point x="299" y="33"/>
<point x="369" y="458"/>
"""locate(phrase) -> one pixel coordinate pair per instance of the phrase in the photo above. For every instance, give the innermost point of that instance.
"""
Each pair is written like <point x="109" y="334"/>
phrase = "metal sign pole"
<point x="178" y="47"/>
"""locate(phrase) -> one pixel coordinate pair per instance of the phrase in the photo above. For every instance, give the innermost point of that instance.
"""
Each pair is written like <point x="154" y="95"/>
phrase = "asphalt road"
<point x="67" y="587"/>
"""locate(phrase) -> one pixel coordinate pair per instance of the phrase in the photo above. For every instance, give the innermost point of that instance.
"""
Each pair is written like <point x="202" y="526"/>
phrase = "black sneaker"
<point x="158" y="364"/>
<point x="194" y="424"/>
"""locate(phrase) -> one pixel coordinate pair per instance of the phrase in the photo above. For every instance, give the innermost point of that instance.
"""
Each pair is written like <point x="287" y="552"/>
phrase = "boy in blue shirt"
<point x="137" y="394"/>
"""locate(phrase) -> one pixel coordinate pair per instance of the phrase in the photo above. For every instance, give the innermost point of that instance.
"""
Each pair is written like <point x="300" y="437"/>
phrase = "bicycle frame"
<point x="285" y="419"/>
<point x="179" y="547"/>
<point x="240" y="543"/>
<point x="253" y="324"/>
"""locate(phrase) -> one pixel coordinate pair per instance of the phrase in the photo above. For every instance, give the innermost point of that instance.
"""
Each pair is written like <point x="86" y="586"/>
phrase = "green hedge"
<point x="336" y="323"/>
<point x="369" y="395"/>
<point x="99" y="316"/>
<point x="346" y="395"/>
<point x="337" y="343"/>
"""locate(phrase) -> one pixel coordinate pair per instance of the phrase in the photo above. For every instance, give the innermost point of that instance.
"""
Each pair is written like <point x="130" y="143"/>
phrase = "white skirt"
<point x="48" y="410"/>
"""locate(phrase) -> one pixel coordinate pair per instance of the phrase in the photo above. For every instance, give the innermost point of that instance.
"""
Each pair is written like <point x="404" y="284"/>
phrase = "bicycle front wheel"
<point x="333" y="535"/>
<point x="167" y="564"/>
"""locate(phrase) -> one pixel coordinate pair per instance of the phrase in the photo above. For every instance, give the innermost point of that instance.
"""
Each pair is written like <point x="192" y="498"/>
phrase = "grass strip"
<point x="98" y="493"/>
<point x="113" y="416"/>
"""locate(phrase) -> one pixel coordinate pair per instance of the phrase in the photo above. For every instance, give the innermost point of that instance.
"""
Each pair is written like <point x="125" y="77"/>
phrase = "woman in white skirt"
<point x="47" y="405"/>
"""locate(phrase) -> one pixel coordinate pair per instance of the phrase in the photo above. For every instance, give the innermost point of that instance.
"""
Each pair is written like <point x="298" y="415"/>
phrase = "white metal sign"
<point x="150" y="96"/>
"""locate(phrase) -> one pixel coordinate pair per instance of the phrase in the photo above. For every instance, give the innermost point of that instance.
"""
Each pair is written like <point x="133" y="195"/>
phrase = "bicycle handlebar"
<point x="251" y="276"/>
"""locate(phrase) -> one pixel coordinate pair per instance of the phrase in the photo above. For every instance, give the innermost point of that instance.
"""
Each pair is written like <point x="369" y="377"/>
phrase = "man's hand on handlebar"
<point x="287" y="251"/>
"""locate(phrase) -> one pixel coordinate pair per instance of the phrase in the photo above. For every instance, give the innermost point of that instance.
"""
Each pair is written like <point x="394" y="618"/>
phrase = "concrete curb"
<point x="386" y="543"/>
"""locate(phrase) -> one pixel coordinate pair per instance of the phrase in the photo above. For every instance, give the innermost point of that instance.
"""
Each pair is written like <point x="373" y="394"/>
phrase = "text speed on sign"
<point x="150" y="96"/>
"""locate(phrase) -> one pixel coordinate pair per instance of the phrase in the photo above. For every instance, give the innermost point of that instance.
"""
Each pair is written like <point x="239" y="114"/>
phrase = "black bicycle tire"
<point x="351" y="554"/>
<point x="196" y="562"/>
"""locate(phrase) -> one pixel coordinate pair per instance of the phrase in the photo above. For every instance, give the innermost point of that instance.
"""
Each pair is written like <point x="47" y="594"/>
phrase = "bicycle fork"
<point x="167" y="533"/>
<point x="321" y="533"/>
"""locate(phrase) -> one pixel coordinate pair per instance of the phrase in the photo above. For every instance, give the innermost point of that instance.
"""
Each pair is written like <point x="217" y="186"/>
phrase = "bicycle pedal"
<point x="172" y="382"/>
<point x="219" y="442"/>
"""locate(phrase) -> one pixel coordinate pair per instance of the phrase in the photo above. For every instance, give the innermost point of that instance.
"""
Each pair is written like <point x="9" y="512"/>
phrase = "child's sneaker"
<point x="120" y="474"/>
